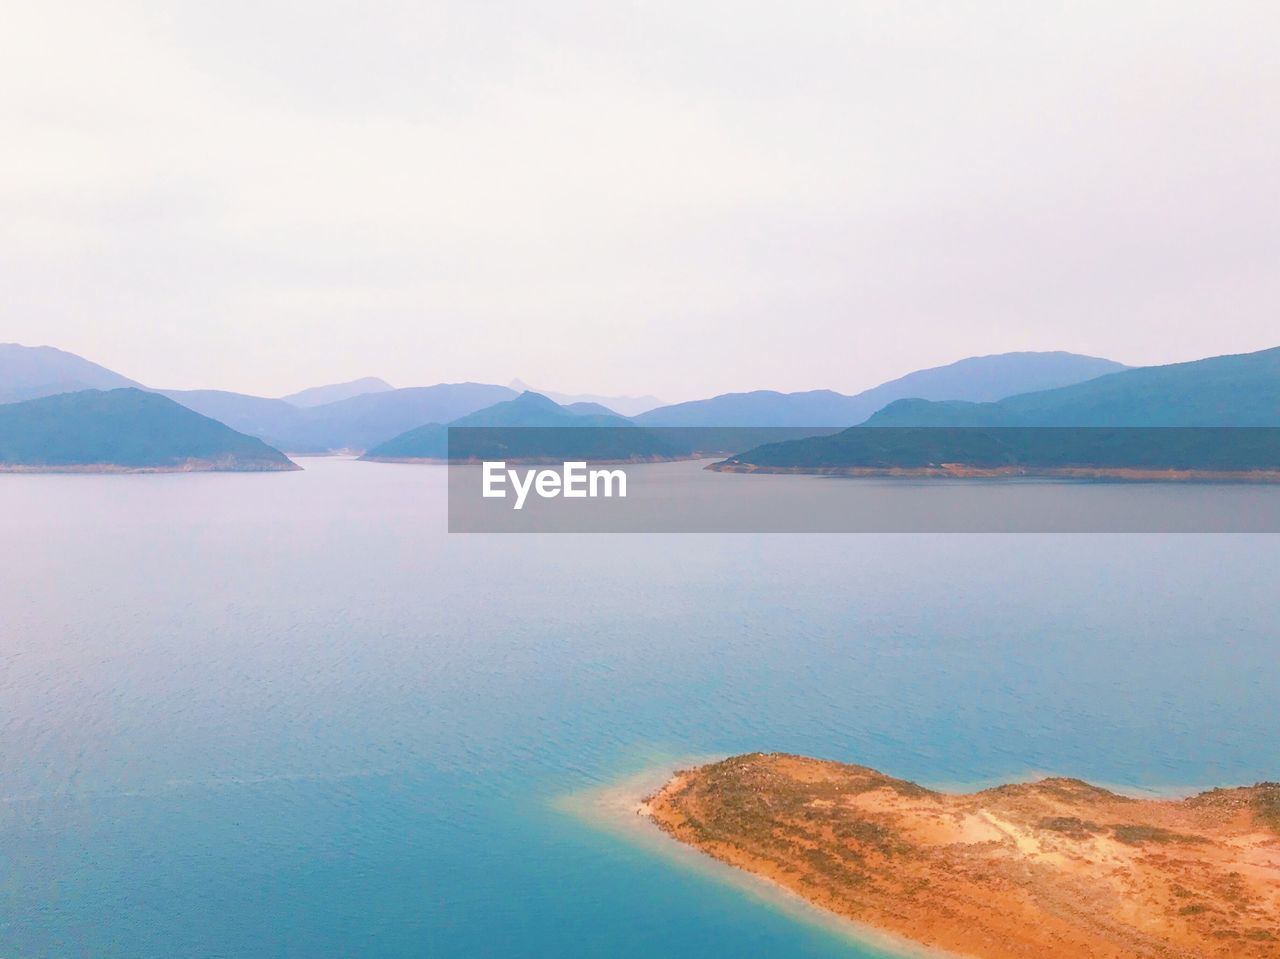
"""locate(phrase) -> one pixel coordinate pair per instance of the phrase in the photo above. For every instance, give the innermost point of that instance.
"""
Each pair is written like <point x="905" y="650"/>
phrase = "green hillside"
<point x="127" y="430"/>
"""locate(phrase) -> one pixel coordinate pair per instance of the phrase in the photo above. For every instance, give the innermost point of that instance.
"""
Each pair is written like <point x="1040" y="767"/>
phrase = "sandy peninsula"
<point x="1051" y="869"/>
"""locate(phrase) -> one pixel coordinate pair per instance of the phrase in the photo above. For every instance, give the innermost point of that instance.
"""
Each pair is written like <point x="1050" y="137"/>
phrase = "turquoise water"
<point x="247" y="716"/>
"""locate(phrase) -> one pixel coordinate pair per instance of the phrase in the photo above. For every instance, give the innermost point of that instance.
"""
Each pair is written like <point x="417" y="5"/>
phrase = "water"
<point x="287" y="715"/>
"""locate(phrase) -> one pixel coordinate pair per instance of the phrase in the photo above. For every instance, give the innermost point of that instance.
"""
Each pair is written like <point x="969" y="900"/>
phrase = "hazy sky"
<point x="671" y="197"/>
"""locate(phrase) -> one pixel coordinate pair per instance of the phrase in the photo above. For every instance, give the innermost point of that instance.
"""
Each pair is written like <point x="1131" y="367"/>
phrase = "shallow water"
<point x="288" y="715"/>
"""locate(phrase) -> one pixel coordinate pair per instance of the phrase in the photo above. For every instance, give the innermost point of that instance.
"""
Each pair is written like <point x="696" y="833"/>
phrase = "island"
<point x="124" y="430"/>
<point x="1212" y="454"/>
<point x="1053" y="869"/>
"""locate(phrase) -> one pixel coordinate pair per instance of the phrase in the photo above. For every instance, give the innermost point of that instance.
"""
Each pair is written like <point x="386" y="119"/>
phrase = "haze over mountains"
<point x="340" y="416"/>
<point x="355" y="423"/>
<point x="529" y="409"/>
<point x="28" y="372"/>
<point x="625" y="405"/>
<point x="320" y="395"/>
<point x="976" y="378"/>
<point x="1202" y="415"/>
<point x="1057" y="389"/>
<point x="363" y="413"/>
<point x="1239" y="390"/>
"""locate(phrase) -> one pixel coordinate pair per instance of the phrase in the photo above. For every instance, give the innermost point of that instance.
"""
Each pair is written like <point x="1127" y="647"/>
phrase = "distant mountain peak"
<point x="333" y="392"/>
<point x="30" y="372"/>
<point x="531" y="400"/>
<point x="616" y="405"/>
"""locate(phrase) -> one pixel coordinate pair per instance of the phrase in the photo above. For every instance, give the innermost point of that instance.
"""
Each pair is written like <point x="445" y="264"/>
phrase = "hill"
<point x="529" y="426"/>
<point x="320" y="395"/>
<point x="28" y="372"/>
<point x="1238" y="390"/>
<point x="124" y="430"/>
<point x="977" y="378"/>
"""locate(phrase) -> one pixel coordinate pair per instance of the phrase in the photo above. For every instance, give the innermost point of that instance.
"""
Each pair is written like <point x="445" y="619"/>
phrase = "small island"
<point x="1055" y="869"/>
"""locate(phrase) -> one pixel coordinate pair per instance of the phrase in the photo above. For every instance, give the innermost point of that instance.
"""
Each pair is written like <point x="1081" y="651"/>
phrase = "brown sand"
<point x="1056" y="868"/>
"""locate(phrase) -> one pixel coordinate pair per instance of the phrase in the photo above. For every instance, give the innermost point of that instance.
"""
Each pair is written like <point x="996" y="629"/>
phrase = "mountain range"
<point x="353" y="415"/>
<point x="356" y="423"/>
<point x="1237" y="390"/>
<point x="361" y="414"/>
<point x="1221" y="413"/>
<point x="977" y="378"/>
<point x="576" y="430"/>
<point x="320" y="395"/>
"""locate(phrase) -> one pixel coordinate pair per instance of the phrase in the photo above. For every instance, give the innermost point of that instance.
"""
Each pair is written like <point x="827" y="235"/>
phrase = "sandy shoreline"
<point x="620" y="809"/>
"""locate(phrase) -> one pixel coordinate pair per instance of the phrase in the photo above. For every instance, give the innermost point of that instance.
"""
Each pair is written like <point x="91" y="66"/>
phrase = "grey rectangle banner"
<point x="864" y="480"/>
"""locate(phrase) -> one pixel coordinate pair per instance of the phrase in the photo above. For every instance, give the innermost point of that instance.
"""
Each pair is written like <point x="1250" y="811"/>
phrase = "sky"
<point x="673" y="197"/>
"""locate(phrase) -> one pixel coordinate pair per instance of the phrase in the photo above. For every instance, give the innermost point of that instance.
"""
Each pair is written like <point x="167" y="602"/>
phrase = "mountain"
<point x="531" y="425"/>
<point x="982" y="379"/>
<point x="759" y="408"/>
<point x="534" y="409"/>
<point x="1238" y="390"/>
<point x="589" y="409"/>
<point x="275" y="422"/>
<point x="125" y="430"/>
<point x="320" y="395"/>
<point x="977" y="378"/>
<point x="364" y="421"/>
<point x="622" y="405"/>
<point x="354" y="423"/>
<point x="28" y="372"/>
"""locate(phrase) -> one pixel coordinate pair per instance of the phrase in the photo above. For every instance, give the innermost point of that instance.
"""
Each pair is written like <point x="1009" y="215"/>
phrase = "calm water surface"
<point x="288" y="715"/>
